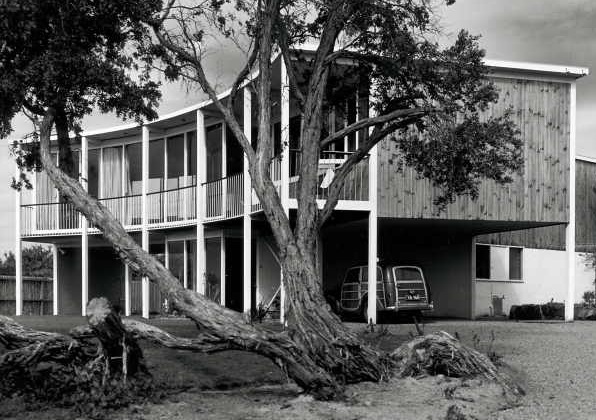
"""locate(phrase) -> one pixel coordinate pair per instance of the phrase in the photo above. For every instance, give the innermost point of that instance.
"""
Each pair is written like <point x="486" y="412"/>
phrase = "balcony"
<point x="170" y="208"/>
<point x="223" y="198"/>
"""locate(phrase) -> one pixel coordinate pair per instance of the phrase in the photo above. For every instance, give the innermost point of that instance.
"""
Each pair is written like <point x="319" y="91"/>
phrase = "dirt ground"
<point x="553" y="362"/>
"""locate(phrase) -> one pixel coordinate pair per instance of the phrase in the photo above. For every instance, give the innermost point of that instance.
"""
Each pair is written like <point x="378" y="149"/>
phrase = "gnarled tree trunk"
<point x="298" y="358"/>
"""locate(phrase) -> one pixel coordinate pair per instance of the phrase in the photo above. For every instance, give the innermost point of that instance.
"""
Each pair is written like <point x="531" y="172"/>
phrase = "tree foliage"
<point x="74" y="56"/>
<point x="37" y="262"/>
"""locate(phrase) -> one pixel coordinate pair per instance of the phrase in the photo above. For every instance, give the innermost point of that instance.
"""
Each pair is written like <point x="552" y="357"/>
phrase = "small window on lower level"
<point x="499" y="263"/>
<point x="482" y="261"/>
<point x="515" y="263"/>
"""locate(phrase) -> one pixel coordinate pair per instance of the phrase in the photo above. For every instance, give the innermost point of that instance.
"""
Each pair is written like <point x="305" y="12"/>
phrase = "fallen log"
<point x="204" y="343"/>
<point x="14" y="335"/>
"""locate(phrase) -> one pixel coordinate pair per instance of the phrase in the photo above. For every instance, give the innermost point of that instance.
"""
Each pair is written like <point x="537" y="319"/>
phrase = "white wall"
<point x="544" y="278"/>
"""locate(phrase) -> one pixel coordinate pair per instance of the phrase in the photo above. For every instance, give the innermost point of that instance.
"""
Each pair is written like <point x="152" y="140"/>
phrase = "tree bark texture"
<point x="121" y="350"/>
<point x="297" y="361"/>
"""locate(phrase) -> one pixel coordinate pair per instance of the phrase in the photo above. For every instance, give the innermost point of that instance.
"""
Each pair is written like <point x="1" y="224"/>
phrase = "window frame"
<point x="507" y="278"/>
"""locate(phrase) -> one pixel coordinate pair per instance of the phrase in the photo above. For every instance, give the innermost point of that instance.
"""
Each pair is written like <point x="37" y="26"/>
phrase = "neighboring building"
<point x="180" y="186"/>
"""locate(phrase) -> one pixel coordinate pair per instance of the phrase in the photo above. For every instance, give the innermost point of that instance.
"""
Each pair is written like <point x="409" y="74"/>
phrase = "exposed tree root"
<point x="33" y="353"/>
<point x="441" y="353"/>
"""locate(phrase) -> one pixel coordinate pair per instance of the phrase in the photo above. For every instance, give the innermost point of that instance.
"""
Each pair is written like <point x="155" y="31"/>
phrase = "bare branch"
<point x="344" y="170"/>
<point x="243" y="74"/>
<point x="285" y="51"/>
<point x="201" y="78"/>
<point x="372" y="121"/>
<point x="203" y="343"/>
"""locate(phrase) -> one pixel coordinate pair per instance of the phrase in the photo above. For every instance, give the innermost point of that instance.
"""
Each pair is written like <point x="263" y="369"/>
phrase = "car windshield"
<point x="407" y="274"/>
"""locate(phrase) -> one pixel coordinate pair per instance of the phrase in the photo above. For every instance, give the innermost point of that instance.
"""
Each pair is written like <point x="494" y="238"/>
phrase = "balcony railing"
<point x="275" y="174"/>
<point x="224" y="197"/>
<point x="355" y="186"/>
<point x="172" y="207"/>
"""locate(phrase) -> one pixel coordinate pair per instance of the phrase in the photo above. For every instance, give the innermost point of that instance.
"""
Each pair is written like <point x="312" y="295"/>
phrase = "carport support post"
<point x="247" y="228"/>
<point x="18" y="257"/>
<point x="54" y="279"/>
<point x="84" y="229"/>
<point x="126" y="290"/>
<point x="145" y="218"/>
<point x="200" y="202"/>
<point x="570" y="230"/>
<point x="222" y="270"/>
<point x="372" y="238"/>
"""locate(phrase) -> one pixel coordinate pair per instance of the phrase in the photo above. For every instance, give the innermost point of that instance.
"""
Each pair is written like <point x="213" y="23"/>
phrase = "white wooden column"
<point x="372" y="228"/>
<point x="145" y="217"/>
<point x="165" y="179"/>
<point x="200" y="202"/>
<point x="85" y="227"/>
<point x="54" y="279"/>
<point x="285" y="169"/>
<point x="247" y="225"/>
<point x="167" y="254"/>
<point x="222" y="270"/>
<point x="185" y="265"/>
<point x="126" y="290"/>
<point x="185" y="179"/>
<point x="224" y="170"/>
<point x="18" y="256"/>
<point x="570" y="230"/>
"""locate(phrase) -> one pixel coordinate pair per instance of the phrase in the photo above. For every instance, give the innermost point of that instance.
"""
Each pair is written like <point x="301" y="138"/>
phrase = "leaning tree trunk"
<point x="282" y="348"/>
<point x="328" y="341"/>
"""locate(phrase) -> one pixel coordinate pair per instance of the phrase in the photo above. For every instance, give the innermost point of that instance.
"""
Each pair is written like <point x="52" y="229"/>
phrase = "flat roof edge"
<point x="573" y="72"/>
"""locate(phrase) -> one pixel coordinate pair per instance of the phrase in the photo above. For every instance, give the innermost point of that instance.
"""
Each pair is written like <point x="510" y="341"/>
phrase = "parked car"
<point x="400" y="289"/>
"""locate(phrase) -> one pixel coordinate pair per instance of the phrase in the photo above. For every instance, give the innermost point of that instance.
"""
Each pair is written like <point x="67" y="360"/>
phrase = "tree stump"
<point x="121" y="350"/>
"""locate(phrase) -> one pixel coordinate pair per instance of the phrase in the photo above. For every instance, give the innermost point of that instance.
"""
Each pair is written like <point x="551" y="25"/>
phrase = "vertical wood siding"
<point x="553" y="237"/>
<point x="585" y="206"/>
<point x="541" y="112"/>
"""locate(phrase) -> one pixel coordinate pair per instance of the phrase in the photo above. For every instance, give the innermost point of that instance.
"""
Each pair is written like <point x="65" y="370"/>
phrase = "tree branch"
<point x="242" y="75"/>
<point x="201" y="78"/>
<point x="371" y="121"/>
<point x="287" y="57"/>
<point x="204" y="343"/>
<point x="344" y="170"/>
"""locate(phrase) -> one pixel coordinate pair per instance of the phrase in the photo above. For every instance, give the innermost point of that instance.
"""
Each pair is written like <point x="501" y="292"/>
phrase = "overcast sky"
<point x="554" y="32"/>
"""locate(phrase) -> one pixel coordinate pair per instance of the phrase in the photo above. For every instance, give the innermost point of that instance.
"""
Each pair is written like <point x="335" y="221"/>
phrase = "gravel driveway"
<point x="556" y="362"/>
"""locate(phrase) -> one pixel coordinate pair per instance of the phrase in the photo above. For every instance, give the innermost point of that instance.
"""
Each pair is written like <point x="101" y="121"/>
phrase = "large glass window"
<point x="192" y="157"/>
<point x="234" y="154"/>
<point x="133" y="171"/>
<point x="191" y="266"/>
<point x="156" y="166"/>
<point x="93" y="172"/>
<point x="112" y="172"/>
<point x="175" y="162"/>
<point x="213" y="140"/>
<point x="176" y="259"/>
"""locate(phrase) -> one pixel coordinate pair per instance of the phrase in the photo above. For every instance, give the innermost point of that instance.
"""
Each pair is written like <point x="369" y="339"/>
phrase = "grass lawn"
<point x="551" y="360"/>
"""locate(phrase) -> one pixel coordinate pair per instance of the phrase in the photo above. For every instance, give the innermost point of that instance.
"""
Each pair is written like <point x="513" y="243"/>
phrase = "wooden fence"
<point x="37" y="295"/>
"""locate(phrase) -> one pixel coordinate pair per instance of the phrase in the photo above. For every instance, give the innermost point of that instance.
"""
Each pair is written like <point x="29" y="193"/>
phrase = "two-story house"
<point x="180" y="185"/>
